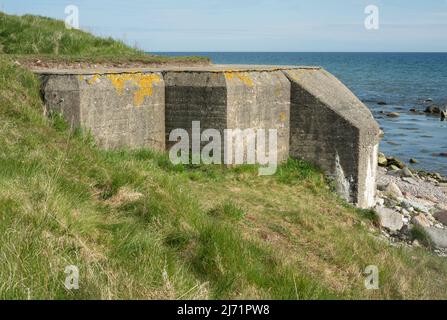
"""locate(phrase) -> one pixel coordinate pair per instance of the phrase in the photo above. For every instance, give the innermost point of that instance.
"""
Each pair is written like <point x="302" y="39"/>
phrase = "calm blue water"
<point x="402" y="80"/>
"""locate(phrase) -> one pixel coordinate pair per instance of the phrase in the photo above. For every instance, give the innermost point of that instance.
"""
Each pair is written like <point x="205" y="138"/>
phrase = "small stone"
<point x="390" y="219"/>
<point x="382" y="186"/>
<point x="436" y="175"/>
<point x="416" y="243"/>
<point x="432" y="110"/>
<point x="396" y="162"/>
<point x="394" y="167"/>
<point x="382" y="160"/>
<point x="393" y="190"/>
<point x="430" y="179"/>
<point x="441" y="216"/>
<point x="414" y="161"/>
<point x="393" y="114"/>
<point x="380" y="202"/>
<point x="421" y="220"/>
<point x="405" y="212"/>
<point x="409" y="180"/>
<point x="405" y="172"/>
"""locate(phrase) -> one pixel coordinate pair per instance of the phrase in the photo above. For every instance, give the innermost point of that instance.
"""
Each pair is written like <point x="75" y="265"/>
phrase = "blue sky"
<point x="256" y="25"/>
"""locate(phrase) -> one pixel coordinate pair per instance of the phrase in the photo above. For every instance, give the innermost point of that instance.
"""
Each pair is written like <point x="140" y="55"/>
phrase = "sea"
<point x="403" y="81"/>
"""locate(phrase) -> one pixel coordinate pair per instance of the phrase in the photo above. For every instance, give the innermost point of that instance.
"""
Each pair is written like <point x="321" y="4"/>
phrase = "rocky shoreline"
<point x="411" y="206"/>
<point x="430" y="108"/>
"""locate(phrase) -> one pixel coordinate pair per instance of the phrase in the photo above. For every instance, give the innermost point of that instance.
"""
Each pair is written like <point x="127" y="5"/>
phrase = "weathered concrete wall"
<point x="61" y="94"/>
<point x="229" y="100"/>
<point x="332" y="128"/>
<point x="260" y="100"/>
<point x="317" y="117"/>
<point x="195" y="96"/>
<point x="120" y="110"/>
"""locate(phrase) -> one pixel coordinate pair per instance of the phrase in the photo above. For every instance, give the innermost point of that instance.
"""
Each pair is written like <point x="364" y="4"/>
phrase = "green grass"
<point x="418" y="233"/>
<point x="31" y="38"/>
<point x="139" y="227"/>
<point x="40" y="35"/>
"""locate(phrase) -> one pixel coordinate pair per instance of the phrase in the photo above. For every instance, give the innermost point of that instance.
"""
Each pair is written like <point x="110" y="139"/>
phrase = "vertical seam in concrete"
<point x="80" y="111"/>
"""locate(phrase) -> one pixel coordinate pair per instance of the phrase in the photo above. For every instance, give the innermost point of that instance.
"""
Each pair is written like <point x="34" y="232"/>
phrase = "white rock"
<point x="410" y="180"/>
<point x="438" y="236"/>
<point x="380" y="202"/>
<point x="409" y="204"/>
<point x="393" y="190"/>
<point x="405" y="212"/>
<point x="390" y="219"/>
<point x="422" y="221"/>
<point x="406" y="173"/>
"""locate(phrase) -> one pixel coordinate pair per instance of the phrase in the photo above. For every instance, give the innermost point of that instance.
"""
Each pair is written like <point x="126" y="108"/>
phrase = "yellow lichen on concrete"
<point x="242" y="76"/>
<point x="278" y="89"/>
<point x="93" y="79"/>
<point x="229" y="75"/>
<point x="282" y="117"/>
<point x="144" y="82"/>
<point x="119" y="80"/>
<point x="297" y="73"/>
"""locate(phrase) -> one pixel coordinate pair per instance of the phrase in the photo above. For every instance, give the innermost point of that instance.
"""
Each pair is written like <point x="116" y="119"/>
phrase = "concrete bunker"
<point x="230" y="99"/>
<point x="317" y="117"/>
<point x="331" y="127"/>
<point x="119" y="109"/>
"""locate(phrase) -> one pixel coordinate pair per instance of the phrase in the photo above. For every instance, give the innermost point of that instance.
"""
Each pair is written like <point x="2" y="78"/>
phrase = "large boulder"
<point x="438" y="236"/>
<point x="421" y="221"/>
<point x="390" y="219"/>
<point x="408" y="204"/>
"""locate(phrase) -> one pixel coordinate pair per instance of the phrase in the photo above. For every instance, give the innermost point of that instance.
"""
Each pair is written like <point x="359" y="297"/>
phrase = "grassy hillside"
<point x="33" y="37"/>
<point x="139" y="227"/>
